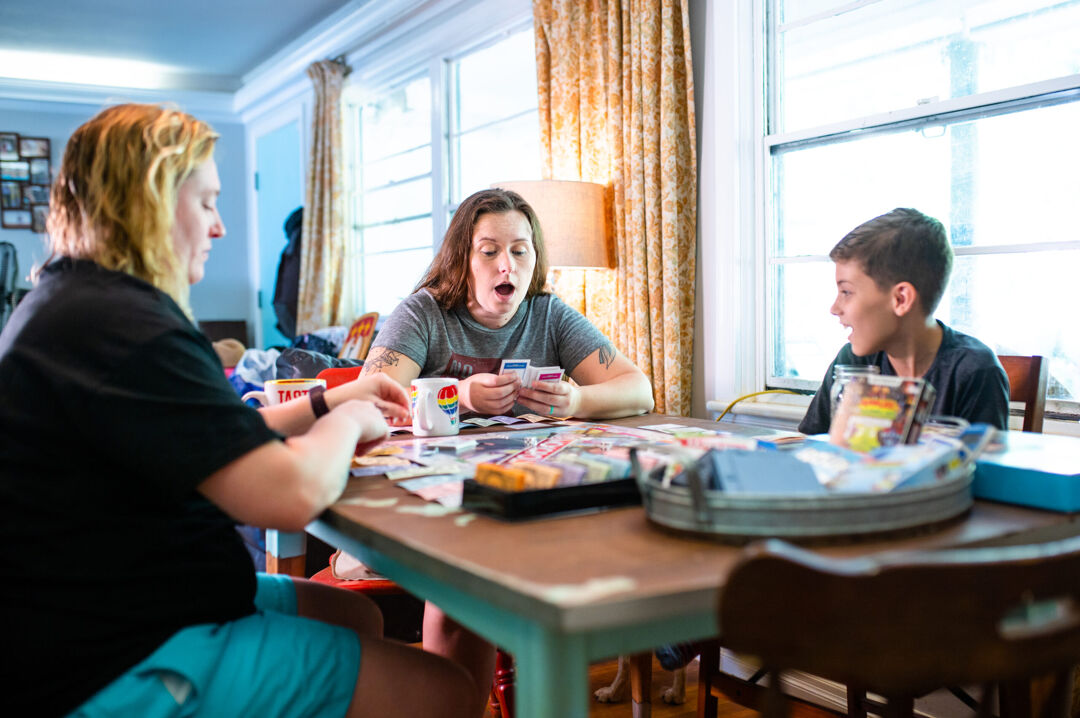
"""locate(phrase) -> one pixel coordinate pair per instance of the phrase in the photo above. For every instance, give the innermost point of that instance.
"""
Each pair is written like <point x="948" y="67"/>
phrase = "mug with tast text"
<point x="434" y="406"/>
<point x="279" y="391"/>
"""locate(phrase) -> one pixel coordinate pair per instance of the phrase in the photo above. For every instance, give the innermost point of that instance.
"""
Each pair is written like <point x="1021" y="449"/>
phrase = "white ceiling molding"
<point x="330" y="38"/>
<point x="446" y="29"/>
<point x="73" y="98"/>
<point x="375" y="38"/>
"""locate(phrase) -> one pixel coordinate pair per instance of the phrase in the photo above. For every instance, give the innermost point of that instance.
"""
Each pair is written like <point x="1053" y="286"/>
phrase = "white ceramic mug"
<point x="279" y="391"/>
<point x="434" y="406"/>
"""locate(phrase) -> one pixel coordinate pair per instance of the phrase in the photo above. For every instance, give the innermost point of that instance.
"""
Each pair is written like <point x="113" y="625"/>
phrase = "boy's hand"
<point x="490" y="394"/>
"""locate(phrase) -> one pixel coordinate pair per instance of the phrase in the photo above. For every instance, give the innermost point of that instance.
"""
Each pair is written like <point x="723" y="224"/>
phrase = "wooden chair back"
<point x="1027" y="383"/>
<point x="358" y="340"/>
<point x="908" y="624"/>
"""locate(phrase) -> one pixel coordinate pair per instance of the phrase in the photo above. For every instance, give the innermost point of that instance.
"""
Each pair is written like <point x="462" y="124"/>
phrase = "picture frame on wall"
<point x="18" y="170"/>
<point x="39" y="172"/>
<point x="39" y="213"/>
<point x="9" y="146"/>
<point x="11" y="195"/>
<point x="16" y="219"/>
<point x="35" y="194"/>
<point x="34" y="147"/>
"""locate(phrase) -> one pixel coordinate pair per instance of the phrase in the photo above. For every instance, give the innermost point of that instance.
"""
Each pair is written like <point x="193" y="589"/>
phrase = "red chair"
<point x="502" y="690"/>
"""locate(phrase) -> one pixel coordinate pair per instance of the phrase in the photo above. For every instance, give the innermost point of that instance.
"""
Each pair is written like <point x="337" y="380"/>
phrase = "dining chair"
<point x="1027" y="383"/>
<point x="358" y="339"/>
<point x="904" y="624"/>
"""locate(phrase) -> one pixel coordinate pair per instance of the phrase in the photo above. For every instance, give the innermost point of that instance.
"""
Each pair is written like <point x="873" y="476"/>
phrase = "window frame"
<point x="994" y="103"/>
<point x="435" y="61"/>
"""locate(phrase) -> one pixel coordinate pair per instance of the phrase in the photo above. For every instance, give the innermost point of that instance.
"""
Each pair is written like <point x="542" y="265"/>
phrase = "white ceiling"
<point x="205" y="44"/>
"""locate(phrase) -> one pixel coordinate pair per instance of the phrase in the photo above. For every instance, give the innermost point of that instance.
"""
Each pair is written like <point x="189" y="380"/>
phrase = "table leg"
<point x="286" y="552"/>
<point x="641" y="684"/>
<point x="552" y="676"/>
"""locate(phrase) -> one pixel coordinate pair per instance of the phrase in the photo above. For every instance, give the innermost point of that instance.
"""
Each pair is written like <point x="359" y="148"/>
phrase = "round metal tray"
<point x="716" y="514"/>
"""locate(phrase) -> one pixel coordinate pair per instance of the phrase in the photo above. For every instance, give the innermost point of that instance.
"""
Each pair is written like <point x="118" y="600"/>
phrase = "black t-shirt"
<point x="967" y="375"/>
<point x="114" y="409"/>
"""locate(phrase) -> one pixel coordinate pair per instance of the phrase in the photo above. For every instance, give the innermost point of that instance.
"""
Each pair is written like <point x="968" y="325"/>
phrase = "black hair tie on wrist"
<point x="318" y="401"/>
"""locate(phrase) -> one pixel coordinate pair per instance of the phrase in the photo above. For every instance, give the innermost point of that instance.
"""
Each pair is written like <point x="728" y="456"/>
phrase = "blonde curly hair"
<point x="114" y="198"/>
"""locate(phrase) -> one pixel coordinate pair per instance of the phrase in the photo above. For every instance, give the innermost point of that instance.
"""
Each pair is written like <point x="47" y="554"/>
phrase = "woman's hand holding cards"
<point x="490" y="394"/>
<point x="551" y="398"/>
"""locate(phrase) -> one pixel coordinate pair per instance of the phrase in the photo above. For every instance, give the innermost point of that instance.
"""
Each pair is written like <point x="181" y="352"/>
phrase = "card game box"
<point x="539" y="503"/>
<point x="879" y="411"/>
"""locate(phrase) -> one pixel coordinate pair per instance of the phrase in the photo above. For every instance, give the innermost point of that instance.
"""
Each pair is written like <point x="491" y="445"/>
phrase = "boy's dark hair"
<point x="904" y="245"/>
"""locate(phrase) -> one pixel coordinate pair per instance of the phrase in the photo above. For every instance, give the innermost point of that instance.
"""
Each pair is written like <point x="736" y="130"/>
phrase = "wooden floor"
<point x="601" y="674"/>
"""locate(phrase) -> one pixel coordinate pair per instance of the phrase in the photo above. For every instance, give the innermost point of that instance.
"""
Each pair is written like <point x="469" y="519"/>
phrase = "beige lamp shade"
<point x="572" y="218"/>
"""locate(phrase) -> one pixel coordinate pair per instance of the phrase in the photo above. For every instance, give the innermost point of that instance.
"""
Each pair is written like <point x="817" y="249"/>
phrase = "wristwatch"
<point x="318" y="401"/>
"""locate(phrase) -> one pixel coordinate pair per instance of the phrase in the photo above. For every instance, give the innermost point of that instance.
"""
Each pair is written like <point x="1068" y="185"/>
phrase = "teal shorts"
<point x="271" y="663"/>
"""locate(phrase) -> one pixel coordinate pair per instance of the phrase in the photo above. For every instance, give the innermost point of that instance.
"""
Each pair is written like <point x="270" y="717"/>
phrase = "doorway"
<point x="279" y="189"/>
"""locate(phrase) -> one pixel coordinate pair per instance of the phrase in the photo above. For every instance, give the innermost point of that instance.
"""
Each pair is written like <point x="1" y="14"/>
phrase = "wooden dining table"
<point x="561" y="592"/>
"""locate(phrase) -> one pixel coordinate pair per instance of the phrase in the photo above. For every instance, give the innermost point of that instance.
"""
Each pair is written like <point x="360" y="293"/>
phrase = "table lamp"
<point x="573" y="220"/>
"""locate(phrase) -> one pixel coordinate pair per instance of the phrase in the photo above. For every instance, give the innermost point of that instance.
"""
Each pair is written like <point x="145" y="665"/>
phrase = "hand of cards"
<point x="530" y="374"/>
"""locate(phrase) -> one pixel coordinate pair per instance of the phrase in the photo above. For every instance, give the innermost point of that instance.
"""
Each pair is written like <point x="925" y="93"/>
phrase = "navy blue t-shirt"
<point x="114" y="409"/>
<point x="967" y="375"/>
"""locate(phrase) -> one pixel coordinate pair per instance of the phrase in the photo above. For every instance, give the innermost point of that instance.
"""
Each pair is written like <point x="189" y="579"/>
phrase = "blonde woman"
<point x="127" y="460"/>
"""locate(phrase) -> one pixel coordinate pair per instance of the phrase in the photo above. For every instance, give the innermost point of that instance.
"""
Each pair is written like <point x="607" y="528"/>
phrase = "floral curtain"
<point x="322" y="249"/>
<point x="616" y="96"/>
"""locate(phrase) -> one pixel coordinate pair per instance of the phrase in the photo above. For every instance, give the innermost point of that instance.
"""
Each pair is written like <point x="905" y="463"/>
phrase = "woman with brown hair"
<point x="482" y="300"/>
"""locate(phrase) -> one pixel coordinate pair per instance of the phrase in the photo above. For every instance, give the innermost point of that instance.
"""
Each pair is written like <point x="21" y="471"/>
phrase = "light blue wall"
<point x="225" y="291"/>
<point x="57" y="126"/>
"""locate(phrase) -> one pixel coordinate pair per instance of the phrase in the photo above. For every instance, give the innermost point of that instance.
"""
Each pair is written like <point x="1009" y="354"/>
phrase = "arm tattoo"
<point x="379" y="362"/>
<point x="607" y="355"/>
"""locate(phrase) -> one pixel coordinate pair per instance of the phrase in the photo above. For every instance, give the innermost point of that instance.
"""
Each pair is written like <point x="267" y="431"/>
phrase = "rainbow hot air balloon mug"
<point x="434" y="406"/>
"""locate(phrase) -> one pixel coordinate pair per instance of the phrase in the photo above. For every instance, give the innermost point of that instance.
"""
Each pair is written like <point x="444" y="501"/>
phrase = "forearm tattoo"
<point x="607" y="355"/>
<point x="382" y="360"/>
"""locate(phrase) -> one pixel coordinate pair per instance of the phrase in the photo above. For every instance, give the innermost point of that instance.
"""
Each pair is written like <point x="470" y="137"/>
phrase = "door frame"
<point x="298" y="109"/>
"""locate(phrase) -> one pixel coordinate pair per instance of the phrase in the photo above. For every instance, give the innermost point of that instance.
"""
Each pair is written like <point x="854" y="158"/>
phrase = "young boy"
<point x="890" y="275"/>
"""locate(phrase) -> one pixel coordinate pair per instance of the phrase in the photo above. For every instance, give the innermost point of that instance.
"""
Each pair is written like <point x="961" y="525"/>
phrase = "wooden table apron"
<point x="562" y="592"/>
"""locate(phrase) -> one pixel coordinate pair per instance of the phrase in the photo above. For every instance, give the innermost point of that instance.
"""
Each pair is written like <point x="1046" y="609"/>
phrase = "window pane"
<point x="1007" y="301"/>
<point x="981" y="300"/>
<point x="403" y="200"/>
<point x="806" y="336"/>
<point x="399" y="120"/>
<point x="400" y="235"/>
<point x="895" y="53"/>
<point x="506" y="151"/>
<point x="389" y="278"/>
<point x="397" y="168"/>
<point x="994" y="181"/>
<point x="496" y="82"/>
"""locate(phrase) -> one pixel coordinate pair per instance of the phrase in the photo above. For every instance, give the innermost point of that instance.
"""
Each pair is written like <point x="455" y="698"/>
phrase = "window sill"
<point x="784" y="411"/>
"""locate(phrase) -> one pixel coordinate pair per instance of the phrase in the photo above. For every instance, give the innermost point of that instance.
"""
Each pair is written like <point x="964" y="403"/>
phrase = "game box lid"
<point x="540" y="503"/>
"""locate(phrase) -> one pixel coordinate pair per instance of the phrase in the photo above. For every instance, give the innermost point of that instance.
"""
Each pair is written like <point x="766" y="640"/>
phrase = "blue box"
<point x="1040" y="470"/>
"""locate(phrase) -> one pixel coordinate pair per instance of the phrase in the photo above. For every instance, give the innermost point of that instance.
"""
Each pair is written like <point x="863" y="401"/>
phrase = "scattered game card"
<point x="479" y="421"/>
<point x="379" y="460"/>
<point x="415" y="471"/>
<point x="518" y="366"/>
<point x="508" y="420"/>
<point x="454" y="444"/>
<point x="534" y="418"/>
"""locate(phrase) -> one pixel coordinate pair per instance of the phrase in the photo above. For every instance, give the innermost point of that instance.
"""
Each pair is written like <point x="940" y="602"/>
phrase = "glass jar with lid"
<point x="842" y="374"/>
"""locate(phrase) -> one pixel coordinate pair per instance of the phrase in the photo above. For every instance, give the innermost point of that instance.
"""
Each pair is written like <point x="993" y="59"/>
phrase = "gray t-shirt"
<point x="449" y="342"/>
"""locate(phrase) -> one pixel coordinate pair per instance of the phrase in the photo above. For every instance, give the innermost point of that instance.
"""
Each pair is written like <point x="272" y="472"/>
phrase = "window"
<point x="494" y="125"/>
<point x="480" y="123"/>
<point x="393" y="199"/>
<point x="965" y="110"/>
